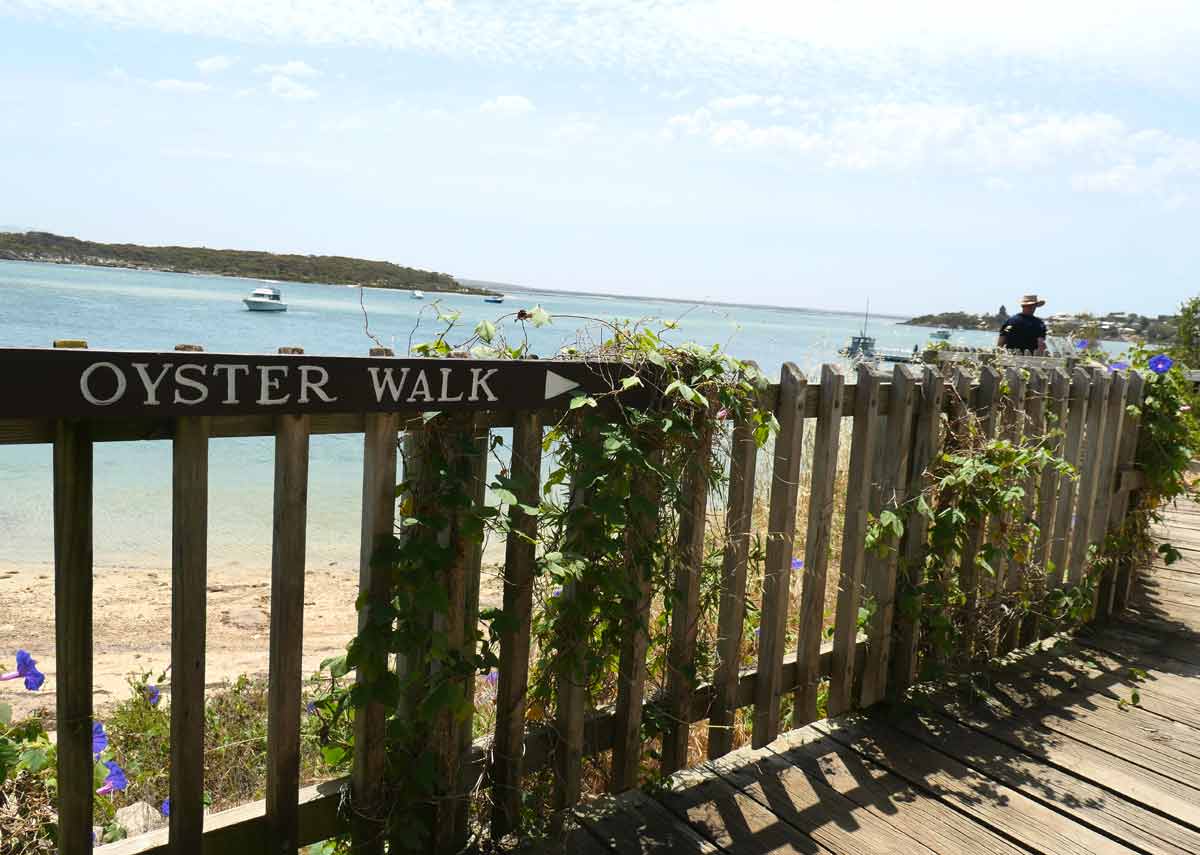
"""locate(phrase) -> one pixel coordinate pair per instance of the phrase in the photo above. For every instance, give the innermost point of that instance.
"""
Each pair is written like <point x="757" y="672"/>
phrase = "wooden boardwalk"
<point x="1090" y="747"/>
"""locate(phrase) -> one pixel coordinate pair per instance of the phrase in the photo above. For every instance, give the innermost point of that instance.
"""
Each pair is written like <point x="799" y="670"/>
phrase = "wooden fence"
<point x="897" y="427"/>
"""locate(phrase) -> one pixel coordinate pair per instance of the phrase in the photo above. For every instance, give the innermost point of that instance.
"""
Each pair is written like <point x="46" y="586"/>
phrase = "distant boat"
<point x="940" y="335"/>
<point x="418" y="295"/>
<point x="862" y="348"/>
<point x="494" y="298"/>
<point x="265" y="300"/>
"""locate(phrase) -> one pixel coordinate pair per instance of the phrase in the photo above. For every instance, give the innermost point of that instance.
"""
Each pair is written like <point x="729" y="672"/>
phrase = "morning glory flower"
<point x="797" y="564"/>
<point x="1118" y="366"/>
<point x="1082" y="344"/>
<point x="311" y="707"/>
<point x="152" y="695"/>
<point x="556" y="592"/>
<point x="166" y="807"/>
<point x="1161" y="364"/>
<point x="99" y="739"/>
<point x="492" y="678"/>
<point x="114" y="781"/>
<point x="27" y="669"/>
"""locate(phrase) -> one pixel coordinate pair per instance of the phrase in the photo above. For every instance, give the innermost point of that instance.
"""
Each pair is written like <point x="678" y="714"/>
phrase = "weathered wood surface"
<point x="1052" y="759"/>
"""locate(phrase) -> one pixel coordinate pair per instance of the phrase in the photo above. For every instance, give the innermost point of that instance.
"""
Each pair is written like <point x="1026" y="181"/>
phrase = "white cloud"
<point x="507" y="105"/>
<point x="181" y="86"/>
<point x="1150" y="40"/>
<point x="291" y="68"/>
<point x="213" y="64"/>
<point x="1099" y="151"/>
<point x="285" y="87"/>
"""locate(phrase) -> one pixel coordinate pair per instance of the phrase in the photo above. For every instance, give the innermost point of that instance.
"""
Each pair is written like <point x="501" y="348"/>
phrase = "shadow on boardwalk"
<point x="1085" y="746"/>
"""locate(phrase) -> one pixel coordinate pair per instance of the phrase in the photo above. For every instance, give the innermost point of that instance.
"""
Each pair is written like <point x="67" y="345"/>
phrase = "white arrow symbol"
<point x="556" y="384"/>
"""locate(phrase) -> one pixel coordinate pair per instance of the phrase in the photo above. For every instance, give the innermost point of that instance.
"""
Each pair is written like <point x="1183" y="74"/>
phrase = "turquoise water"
<point x="125" y="309"/>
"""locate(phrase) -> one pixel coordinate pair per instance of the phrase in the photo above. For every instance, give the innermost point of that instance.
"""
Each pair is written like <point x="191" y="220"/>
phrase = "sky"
<point x="926" y="156"/>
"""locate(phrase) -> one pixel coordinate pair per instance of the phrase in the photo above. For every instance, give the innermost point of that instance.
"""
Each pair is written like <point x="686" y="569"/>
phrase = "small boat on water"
<point x="265" y="300"/>
<point x="862" y="348"/>
<point x="940" y="335"/>
<point x="418" y="295"/>
<point x="494" y="298"/>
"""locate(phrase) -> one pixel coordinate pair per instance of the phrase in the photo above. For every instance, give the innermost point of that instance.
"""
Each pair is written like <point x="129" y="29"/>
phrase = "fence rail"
<point x="897" y="429"/>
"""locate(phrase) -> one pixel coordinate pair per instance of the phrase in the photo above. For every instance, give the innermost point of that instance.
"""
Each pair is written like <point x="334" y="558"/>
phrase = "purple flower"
<point x="99" y="739"/>
<point x="114" y="781"/>
<point x="797" y="564"/>
<point x="757" y="632"/>
<point x="311" y="708"/>
<point x="1082" y="344"/>
<point x="27" y="668"/>
<point x="1161" y="364"/>
<point x="166" y="806"/>
<point x="556" y="592"/>
<point x="152" y="695"/>
<point x="1118" y="366"/>
<point x="492" y="678"/>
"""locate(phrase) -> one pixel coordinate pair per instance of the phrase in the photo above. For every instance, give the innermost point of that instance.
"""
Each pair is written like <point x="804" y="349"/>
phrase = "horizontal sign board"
<point x="40" y="383"/>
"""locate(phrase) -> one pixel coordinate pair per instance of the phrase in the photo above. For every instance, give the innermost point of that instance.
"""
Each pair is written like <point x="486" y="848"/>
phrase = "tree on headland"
<point x="1187" y="333"/>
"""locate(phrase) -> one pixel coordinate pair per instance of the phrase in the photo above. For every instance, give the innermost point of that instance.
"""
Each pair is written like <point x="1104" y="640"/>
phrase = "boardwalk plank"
<point x="635" y="823"/>
<point x="1000" y="807"/>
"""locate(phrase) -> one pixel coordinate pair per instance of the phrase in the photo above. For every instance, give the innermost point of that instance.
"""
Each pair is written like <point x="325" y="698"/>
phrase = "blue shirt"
<point x="1021" y="332"/>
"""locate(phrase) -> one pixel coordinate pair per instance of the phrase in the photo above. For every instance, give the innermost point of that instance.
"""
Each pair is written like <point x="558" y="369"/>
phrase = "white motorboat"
<point x="265" y="300"/>
<point x="494" y="298"/>
<point x="418" y="295"/>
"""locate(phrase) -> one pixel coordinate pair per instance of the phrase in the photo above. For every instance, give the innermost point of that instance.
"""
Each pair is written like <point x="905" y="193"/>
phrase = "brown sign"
<point x="70" y="383"/>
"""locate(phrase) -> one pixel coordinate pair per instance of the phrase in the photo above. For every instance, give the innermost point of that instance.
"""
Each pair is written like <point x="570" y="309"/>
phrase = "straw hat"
<point x="1032" y="300"/>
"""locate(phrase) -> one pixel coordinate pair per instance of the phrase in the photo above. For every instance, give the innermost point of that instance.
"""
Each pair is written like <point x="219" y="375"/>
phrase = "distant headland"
<point x="1115" y="326"/>
<point x="331" y="269"/>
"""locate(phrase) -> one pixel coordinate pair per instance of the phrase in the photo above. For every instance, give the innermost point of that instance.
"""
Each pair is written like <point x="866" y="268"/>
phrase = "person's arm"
<point x="1041" y="342"/>
<point x="1003" y="338"/>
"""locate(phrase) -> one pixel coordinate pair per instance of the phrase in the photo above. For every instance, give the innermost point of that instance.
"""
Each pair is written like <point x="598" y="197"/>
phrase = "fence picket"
<point x="1033" y="427"/>
<point x="189" y="590"/>
<point x="378" y="516"/>
<point x="519" y="564"/>
<point x="73" y="633"/>
<point x="858" y="497"/>
<point x="880" y="575"/>
<point x="1106" y="487"/>
<point x="1055" y="389"/>
<point x="926" y="447"/>
<point x="1089" y="476"/>
<point x="685" y="613"/>
<point x="781" y="533"/>
<point x="1060" y="545"/>
<point x="1125" y="460"/>
<point x="731" y="614"/>
<point x="985" y="410"/>
<point x="816" y="543"/>
<point x="285" y="668"/>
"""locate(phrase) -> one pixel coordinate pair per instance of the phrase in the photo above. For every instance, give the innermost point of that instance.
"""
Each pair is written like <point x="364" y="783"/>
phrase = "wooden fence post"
<point x="1089" y="474"/>
<point x="1106" y="487"/>
<point x="781" y="533"/>
<point x="519" y="564"/>
<point x="1054" y="423"/>
<point x="685" y="613"/>
<point x="189" y="592"/>
<point x="926" y="447"/>
<point x="1032" y="425"/>
<point x="73" y="632"/>
<point x="1126" y="460"/>
<point x="378" y="517"/>
<point x="987" y="402"/>
<point x="858" y="497"/>
<point x="731" y="614"/>
<point x="880" y="583"/>
<point x="1060" y="545"/>
<point x="285" y="671"/>
<point x="816" y="544"/>
<point x="631" y="673"/>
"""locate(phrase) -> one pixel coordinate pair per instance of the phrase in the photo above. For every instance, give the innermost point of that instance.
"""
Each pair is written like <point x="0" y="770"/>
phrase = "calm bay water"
<point x="124" y="309"/>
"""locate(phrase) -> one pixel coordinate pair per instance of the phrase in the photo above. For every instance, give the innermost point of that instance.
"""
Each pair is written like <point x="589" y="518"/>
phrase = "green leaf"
<point x="34" y="759"/>
<point x="630" y="382"/>
<point x="656" y="358"/>
<point x="333" y="754"/>
<point x="5" y="714"/>
<point x="539" y="317"/>
<point x="582" y="401"/>
<point x="505" y="497"/>
<point x="337" y="666"/>
<point x="486" y="330"/>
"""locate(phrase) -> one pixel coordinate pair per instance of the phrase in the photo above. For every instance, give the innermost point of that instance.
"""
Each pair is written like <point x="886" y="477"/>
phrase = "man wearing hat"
<point x="1026" y="331"/>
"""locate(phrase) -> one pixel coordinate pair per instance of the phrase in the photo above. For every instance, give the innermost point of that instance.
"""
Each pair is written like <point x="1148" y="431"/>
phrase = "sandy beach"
<point x="132" y="618"/>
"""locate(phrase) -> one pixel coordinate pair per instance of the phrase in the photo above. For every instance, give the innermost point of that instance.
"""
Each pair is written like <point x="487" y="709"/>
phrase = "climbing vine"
<point x="622" y="464"/>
